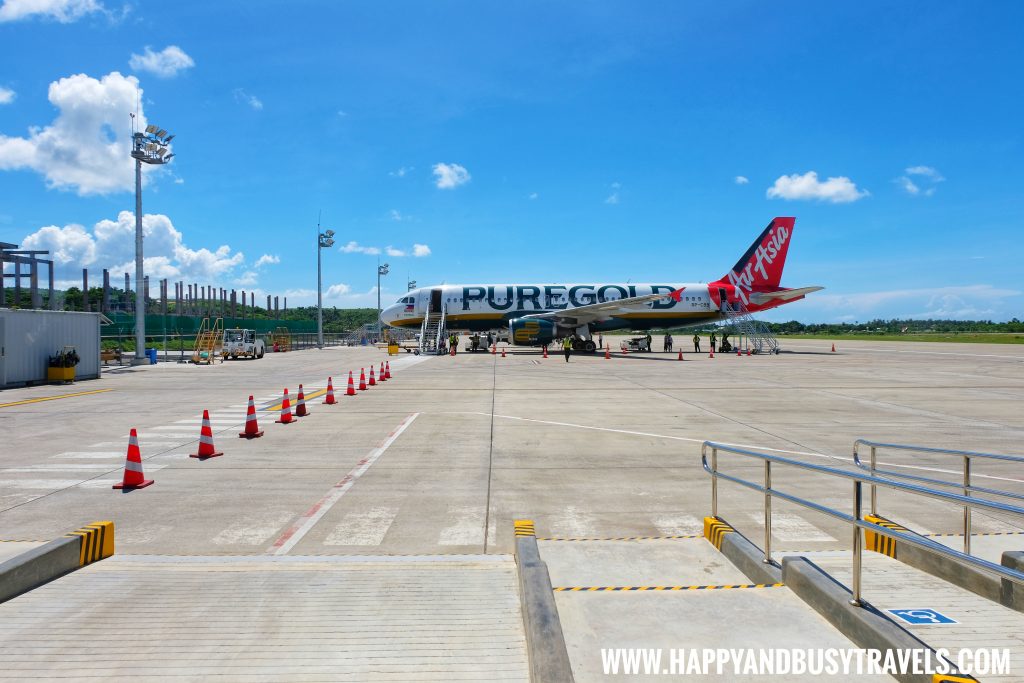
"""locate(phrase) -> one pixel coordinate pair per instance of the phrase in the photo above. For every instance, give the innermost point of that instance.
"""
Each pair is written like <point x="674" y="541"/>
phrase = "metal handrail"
<point x="856" y="519"/>
<point x="966" y="486"/>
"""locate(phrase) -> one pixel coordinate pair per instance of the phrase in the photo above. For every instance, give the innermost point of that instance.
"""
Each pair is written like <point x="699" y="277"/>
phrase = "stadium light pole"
<point x="324" y="240"/>
<point x="149" y="147"/>
<point x="381" y="270"/>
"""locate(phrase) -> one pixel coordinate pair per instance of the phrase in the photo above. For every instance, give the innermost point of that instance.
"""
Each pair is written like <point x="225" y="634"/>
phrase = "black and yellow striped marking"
<point x="950" y="678"/>
<point x="976" y="533"/>
<point x="97" y="542"/>
<point x="524" y="527"/>
<point x="622" y="538"/>
<point x="595" y="589"/>
<point x="715" y="530"/>
<point x="878" y="542"/>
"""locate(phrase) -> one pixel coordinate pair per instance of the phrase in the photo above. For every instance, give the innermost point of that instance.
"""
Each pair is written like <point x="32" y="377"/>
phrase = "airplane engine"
<point x="531" y="332"/>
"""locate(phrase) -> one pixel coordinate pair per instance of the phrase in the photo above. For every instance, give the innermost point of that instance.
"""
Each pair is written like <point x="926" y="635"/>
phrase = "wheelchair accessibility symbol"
<point x="922" y="616"/>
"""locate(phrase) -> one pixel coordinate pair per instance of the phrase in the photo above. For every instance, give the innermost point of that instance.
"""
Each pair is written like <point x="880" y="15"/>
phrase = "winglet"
<point x="678" y="294"/>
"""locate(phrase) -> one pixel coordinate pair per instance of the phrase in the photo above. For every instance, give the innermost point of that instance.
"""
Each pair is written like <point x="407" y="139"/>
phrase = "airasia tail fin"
<point x="761" y="266"/>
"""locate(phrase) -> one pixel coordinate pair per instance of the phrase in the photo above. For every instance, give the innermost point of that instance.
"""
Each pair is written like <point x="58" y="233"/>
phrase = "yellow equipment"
<point x="209" y="341"/>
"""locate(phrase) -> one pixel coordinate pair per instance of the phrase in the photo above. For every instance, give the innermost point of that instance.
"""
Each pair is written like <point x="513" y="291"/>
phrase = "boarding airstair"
<point x="209" y="341"/>
<point x="748" y="330"/>
<point x="432" y="331"/>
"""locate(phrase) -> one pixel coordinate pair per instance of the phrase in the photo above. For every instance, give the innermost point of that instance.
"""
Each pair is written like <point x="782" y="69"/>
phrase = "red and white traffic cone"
<point x="607" y="352"/>
<point x="133" y="477"/>
<point x="252" y="428"/>
<point x="452" y="352"/>
<point x="330" y="393"/>
<point x="494" y="349"/>
<point x="373" y="380"/>
<point x="738" y="352"/>
<point x="380" y="375"/>
<point x="286" y="411"/>
<point x="749" y="352"/>
<point x="387" y="370"/>
<point x="206" y="449"/>
<point x="712" y="354"/>
<point x="362" y="379"/>
<point x="833" y="348"/>
<point x="680" y="355"/>
<point x="545" y="351"/>
<point x="351" y="391"/>
<point x="502" y="351"/>
<point x="300" y="404"/>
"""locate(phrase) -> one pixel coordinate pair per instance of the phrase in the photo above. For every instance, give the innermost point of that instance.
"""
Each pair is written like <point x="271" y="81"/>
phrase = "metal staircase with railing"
<point x="748" y="330"/>
<point x="209" y="341"/>
<point x="432" y="331"/>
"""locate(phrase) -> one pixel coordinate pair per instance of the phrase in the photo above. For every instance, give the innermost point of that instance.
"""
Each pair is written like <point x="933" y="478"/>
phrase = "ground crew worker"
<point x="567" y="347"/>
<point x="453" y="343"/>
<point x="600" y="340"/>
<point x="668" y="342"/>
<point x="696" y="343"/>
<point x="714" y="338"/>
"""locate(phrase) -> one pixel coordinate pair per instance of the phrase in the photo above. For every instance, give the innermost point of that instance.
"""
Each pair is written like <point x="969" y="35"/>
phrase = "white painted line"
<point x="366" y="528"/>
<point x="105" y="483"/>
<point x="678" y="525"/>
<point x="571" y="523"/>
<point x="854" y="349"/>
<point x="254" y="529"/>
<point x="467" y="529"/>
<point x="302" y="526"/>
<point x="792" y="528"/>
<point x="63" y="467"/>
<point x="108" y="455"/>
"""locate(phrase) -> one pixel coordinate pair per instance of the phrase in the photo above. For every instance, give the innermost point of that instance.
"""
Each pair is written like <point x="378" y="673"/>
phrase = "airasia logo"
<point x="764" y="255"/>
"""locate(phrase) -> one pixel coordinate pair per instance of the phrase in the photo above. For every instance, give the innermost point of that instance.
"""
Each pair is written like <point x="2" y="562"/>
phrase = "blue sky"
<point x="531" y="141"/>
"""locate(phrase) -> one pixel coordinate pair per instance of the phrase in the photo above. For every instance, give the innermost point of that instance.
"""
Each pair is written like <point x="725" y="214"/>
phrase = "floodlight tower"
<point x="150" y="148"/>
<point x="381" y="270"/>
<point x="324" y="240"/>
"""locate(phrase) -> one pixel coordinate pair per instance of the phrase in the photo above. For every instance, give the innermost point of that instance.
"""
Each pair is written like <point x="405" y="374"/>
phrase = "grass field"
<point x="959" y="338"/>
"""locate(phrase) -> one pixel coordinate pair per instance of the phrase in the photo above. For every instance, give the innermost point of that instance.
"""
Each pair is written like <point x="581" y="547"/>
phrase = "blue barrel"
<point x="152" y="356"/>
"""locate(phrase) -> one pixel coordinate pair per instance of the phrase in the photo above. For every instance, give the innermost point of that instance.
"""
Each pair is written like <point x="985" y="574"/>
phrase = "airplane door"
<point x="723" y="298"/>
<point x="435" y="300"/>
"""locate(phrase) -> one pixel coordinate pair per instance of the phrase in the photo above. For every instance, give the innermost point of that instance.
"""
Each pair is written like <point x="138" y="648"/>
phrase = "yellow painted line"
<point x="52" y="398"/>
<point x="294" y="398"/>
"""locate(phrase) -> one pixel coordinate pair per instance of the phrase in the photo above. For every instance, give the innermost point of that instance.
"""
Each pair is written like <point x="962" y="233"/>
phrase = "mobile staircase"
<point x="759" y="339"/>
<point x="209" y="341"/>
<point x="432" y="331"/>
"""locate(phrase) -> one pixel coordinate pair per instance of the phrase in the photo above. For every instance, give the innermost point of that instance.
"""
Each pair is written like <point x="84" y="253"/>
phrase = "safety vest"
<point x="567" y="343"/>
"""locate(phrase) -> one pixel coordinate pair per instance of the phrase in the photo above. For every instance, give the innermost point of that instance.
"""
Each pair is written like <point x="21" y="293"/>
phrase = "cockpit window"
<point x="406" y="300"/>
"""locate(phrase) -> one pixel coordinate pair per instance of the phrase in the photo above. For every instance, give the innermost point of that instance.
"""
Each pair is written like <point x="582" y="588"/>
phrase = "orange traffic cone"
<point x="330" y="393"/>
<point x="300" y="404"/>
<point x="286" y="411"/>
<point x="680" y="355"/>
<point x="748" y="351"/>
<point x="133" y="477"/>
<point x="380" y="375"/>
<point x="351" y="391"/>
<point x="494" y="349"/>
<point x="362" y="379"/>
<point x="545" y="351"/>
<point x="502" y="351"/>
<point x="738" y="353"/>
<point x="387" y="370"/>
<point x="252" y="428"/>
<point x="607" y="352"/>
<point x="373" y="380"/>
<point x="833" y="348"/>
<point x="712" y="354"/>
<point x="206" y="449"/>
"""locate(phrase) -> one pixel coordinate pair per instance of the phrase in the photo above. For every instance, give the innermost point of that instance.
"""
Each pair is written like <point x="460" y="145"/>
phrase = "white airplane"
<point x="538" y="314"/>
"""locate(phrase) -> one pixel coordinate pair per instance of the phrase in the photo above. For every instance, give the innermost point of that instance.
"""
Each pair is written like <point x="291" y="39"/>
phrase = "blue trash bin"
<point x="152" y="356"/>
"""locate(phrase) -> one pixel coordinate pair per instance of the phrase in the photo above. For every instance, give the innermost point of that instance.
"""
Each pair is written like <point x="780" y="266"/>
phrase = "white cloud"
<point x="397" y="253"/>
<point x="838" y="190"/>
<point x="402" y="172"/>
<point x="247" y="278"/>
<point x="420" y="250"/>
<point x="966" y="302"/>
<point x="6" y="95"/>
<point x="247" y="98"/>
<point x="742" y="180"/>
<point x="86" y="147"/>
<point x="266" y="259"/>
<point x="396" y="215"/>
<point x="166" y="63"/>
<point x="908" y="185"/>
<point x="533" y="195"/>
<point x="111" y="244"/>
<point x="450" y="176"/>
<point x="64" y="11"/>
<point x="927" y="172"/>
<point x="337" y="291"/>
<point x="613" y="198"/>
<point x="355" y="248"/>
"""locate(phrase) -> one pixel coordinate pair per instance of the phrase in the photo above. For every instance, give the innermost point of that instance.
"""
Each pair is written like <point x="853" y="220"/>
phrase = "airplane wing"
<point x="583" y="315"/>
<point x="783" y="295"/>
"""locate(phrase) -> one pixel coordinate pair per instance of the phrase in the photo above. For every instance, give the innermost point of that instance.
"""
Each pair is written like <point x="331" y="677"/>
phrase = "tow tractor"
<point x="242" y="343"/>
<point x="634" y="344"/>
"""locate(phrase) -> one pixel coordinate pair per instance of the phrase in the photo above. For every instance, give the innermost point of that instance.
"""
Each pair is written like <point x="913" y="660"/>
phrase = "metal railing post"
<point x="767" y="512"/>
<point x="874" y="489"/>
<point x="714" y="482"/>
<point x="857" y="536"/>
<point x="967" y="508"/>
